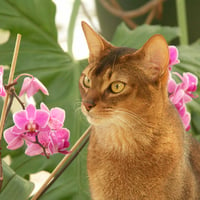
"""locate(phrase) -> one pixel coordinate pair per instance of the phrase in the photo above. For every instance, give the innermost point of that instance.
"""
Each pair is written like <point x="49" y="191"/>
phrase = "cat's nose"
<point x="89" y="105"/>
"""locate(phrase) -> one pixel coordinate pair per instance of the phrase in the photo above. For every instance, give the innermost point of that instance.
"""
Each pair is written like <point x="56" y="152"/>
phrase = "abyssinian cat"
<point x="138" y="147"/>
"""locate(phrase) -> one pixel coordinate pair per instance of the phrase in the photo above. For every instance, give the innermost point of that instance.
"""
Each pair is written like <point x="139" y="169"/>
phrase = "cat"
<point x="138" y="148"/>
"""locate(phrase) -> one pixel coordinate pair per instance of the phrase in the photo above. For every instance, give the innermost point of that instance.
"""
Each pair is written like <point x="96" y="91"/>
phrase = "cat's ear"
<point x="156" y="54"/>
<point x="96" y="43"/>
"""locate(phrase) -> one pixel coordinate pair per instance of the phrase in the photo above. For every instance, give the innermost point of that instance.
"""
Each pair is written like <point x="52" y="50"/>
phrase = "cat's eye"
<point x="117" y="87"/>
<point x="86" y="82"/>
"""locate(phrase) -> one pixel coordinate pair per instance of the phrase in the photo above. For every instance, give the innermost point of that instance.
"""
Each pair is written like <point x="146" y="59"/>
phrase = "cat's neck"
<point x="141" y="133"/>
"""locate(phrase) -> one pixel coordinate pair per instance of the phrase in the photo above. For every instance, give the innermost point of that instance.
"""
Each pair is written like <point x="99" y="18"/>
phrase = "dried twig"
<point x="151" y="16"/>
<point x="153" y="6"/>
<point x="133" y="13"/>
<point x="127" y="20"/>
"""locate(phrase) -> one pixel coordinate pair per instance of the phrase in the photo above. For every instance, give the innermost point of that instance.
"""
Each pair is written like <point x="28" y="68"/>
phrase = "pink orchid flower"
<point x="173" y="56"/>
<point x="185" y="89"/>
<point x="38" y="129"/>
<point x="59" y="141"/>
<point x="53" y="142"/>
<point x="189" y="83"/>
<point x="31" y="86"/>
<point x="33" y="148"/>
<point x="2" y="89"/>
<point x="182" y="93"/>
<point x="57" y="116"/>
<point x="28" y="123"/>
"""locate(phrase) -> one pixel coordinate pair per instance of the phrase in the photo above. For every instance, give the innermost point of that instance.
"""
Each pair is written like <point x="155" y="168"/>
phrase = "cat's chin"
<point x="96" y="121"/>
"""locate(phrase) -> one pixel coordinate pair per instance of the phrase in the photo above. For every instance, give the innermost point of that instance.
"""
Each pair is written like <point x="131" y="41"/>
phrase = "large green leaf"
<point x="41" y="55"/>
<point x="14" y="186"/>
<point x="135" y="39"/>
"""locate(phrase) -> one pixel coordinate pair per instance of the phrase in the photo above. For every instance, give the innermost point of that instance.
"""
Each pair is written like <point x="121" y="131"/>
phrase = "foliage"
<point x="14" y="185"/>
<point x="41" y="55"/>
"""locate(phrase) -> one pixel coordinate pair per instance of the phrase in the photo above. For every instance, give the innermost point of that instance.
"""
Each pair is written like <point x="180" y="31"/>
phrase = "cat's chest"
<point x="110" y="173"/>
<point x="129" y="169"/>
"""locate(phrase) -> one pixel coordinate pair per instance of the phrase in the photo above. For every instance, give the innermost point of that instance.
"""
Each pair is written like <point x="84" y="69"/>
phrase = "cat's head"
<point x="121" y="82"/>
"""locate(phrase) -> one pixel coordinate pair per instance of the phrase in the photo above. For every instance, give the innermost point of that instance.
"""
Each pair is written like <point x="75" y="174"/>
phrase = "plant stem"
<point x="5" y="105"/>
<point x="18" y="99"/>
<point x="24" y="74"/>
<point x="61" y="164"/>
<point x="182" y="21"/>
<point x="71" y="27"/>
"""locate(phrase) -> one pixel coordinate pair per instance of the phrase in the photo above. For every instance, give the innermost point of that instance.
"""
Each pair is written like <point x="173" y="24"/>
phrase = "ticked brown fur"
<point x="138" y="148"/>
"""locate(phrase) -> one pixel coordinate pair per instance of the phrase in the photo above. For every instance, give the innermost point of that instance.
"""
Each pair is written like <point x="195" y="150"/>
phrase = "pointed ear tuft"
<point x="96" y="43"/>
<point x="156" y="53"/>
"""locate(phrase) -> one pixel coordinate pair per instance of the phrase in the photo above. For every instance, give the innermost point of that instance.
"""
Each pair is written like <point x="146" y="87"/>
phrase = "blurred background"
<point x="104" y="21"/>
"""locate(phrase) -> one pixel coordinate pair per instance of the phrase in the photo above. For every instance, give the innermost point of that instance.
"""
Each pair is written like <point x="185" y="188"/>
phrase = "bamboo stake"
<point x="6" y="102"/>
<point x="61" y="164"/>
<point x="10" y="80"/>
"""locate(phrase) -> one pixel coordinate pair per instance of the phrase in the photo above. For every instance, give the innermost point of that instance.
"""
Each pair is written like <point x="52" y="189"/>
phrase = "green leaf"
<point x="41" y="55"/>
<point x="135" y="39"/>
<point x="14" y="186"/>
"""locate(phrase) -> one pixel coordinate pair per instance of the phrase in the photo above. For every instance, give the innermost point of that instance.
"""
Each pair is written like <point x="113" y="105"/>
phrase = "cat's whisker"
<point x="124" y="123"/>
<point x="78" y="110"/>
<point x="77" y="103"/>
<point x="135" y="117"/>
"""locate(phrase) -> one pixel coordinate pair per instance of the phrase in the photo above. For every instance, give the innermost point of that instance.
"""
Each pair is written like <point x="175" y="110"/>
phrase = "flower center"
<point x="32" y="128"/>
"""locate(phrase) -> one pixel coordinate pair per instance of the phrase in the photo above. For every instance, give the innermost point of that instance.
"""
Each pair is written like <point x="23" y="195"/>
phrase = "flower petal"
<point x="42" y="118"/>
<point x="57" y="118"/>
<point x="186" y="120"/>
<point x="58" y="113"/>
<point x="31" y="112"/>
<point x="2" y="89"/>
<point x="14" y="141"/>
<point x="59" y="141"/>
<point x="44" y="107"/>
<point x="31" y="86"/>
<point x="192" y="81"/>
<point x="26" y="84"/>
<point x="173" y="55"/>
<point x="171" y="85"/>
<point x="20" y="119"/>
<point x="39" y="86"/>
<point x="33" y="149"/>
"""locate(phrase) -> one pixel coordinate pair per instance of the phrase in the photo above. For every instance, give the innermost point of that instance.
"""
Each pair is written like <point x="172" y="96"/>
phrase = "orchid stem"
<point x="18" y="99"/>
<point x="43" y="148"/>
<point x="5" y="105"/>
<point x="9" y="105"/>
<point x="61" y="164"/>
<point x="24" y="74"/>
